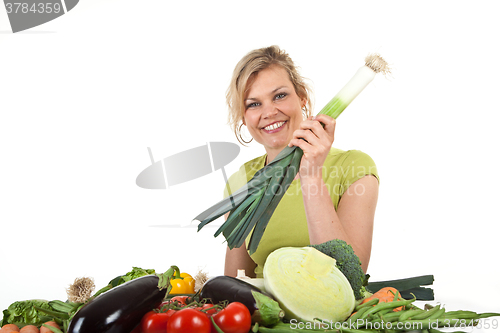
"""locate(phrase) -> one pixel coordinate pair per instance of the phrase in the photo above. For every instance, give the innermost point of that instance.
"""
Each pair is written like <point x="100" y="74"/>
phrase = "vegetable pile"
<point x="117" y="307"/>
<point x="142" y="301"/>
<point x="388" y="315"/>
<point x="303" y="290"/>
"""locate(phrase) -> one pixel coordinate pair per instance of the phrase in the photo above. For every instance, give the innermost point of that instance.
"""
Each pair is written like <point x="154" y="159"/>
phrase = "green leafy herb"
<point x="24" y="312"/>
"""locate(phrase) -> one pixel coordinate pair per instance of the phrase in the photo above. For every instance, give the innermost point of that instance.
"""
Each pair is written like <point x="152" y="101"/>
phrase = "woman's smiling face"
<point x="273" y="110"/>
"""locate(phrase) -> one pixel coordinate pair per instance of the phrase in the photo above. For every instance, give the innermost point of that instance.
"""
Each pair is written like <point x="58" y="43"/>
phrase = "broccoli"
<point x="347" y="262"/>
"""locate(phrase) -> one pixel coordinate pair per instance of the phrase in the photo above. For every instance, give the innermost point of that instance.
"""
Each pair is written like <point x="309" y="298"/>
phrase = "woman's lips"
<point x="274" y="127"/>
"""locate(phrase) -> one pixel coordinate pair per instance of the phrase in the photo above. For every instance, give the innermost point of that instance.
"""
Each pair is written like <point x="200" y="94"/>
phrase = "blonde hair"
<point x="247" y="68"/>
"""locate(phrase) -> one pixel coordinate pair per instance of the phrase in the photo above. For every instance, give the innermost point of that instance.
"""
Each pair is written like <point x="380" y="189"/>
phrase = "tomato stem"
<point x="215" y="325"/>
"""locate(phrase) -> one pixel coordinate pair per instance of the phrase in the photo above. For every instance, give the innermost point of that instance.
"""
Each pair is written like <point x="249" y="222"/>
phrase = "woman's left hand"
<point x="317" y="142"/>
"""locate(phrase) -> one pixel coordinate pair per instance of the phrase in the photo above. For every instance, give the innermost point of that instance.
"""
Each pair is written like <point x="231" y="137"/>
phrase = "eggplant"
<point x="120" y="309"/>
<point x="263" y="307"/>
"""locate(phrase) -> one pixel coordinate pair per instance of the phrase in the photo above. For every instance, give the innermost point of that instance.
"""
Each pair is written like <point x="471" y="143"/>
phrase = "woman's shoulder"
<point x="350" y="165"/>
<point x="352" y="156"/>
<point x="254" y="165"/>
<point x="244" y="174"/>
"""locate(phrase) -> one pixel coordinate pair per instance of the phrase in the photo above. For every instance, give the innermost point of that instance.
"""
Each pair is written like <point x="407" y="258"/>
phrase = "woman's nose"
<point x="269" y="111"/>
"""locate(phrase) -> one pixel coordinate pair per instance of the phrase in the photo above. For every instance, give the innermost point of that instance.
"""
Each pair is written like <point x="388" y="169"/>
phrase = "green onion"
<point x="253" y="205"/>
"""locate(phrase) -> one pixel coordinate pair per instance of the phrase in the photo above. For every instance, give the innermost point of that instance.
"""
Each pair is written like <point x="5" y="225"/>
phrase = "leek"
<point x="253" y="205"/>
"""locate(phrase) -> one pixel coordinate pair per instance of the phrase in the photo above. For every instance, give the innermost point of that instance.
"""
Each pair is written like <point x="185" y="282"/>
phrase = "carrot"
<point x="29" y="329"/>
<point x="9" y="328"/>
<point x="386" y="295"/>
<point x="47" y="330"/>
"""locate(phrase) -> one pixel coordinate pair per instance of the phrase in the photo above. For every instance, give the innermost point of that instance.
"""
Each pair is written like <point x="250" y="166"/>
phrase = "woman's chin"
<point x="277" y="144"/>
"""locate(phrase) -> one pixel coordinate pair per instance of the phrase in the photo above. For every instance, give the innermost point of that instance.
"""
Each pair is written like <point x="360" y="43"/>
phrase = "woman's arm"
<point x="353" y="220"/>
<point x="238" y="258"/>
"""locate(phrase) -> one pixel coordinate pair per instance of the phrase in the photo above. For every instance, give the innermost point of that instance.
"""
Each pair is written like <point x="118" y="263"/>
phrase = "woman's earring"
<point x="240" y="138"/>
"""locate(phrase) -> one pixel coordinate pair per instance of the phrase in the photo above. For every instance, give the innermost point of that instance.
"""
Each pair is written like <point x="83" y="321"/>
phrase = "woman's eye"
<point x="280" y="96"/>
<point x="252" y="105"/>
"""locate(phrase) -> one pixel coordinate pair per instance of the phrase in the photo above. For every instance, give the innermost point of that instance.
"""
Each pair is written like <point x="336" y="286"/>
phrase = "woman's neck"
<point x="271" y="155"/>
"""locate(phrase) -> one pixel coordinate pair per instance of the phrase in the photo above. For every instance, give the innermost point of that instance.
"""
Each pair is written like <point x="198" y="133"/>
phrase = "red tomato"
<point x="206" y="306"/>
<point x="180" y="299"/>
<point x="189" y="320"/>
<point x="208" y="313"/>
<point x="234" y="318"/>
<point x="163" y="304"/>
<point x="155" y="322"/>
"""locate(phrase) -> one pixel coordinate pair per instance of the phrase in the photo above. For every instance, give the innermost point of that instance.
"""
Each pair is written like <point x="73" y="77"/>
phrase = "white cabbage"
<point x="307" y="284"/>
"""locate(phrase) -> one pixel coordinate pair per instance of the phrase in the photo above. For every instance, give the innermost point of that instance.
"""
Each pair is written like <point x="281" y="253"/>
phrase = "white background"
<point x="83" y="96"/>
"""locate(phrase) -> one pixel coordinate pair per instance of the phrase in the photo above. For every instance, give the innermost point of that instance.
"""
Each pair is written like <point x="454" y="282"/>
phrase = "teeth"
<point x="274" y="126"/>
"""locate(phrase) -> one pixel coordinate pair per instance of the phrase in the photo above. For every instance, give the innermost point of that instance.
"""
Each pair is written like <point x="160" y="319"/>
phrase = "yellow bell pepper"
<point x="182" y="284"/>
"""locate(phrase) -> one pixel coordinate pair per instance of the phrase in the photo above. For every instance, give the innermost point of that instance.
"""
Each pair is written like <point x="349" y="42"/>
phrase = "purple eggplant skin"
<point x="120" y="309"/>
<point x="228" y="288"/>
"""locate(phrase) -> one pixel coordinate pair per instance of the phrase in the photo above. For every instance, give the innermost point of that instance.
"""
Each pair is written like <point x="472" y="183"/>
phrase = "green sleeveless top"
<point x="288" y="224"/>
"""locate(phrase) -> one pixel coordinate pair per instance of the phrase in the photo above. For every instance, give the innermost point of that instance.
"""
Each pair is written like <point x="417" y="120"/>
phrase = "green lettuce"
<point x="133" y="274"/>
<point x="23" y="312"/>
<point x="137" y="272"/>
